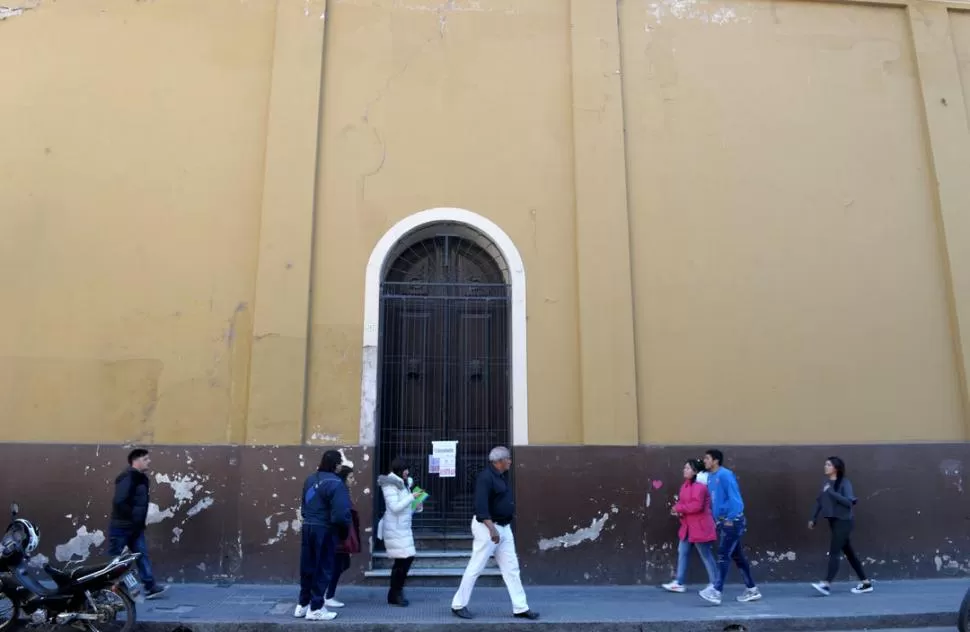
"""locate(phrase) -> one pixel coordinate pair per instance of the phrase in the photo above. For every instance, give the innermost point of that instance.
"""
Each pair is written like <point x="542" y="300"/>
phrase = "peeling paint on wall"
<point x="587" y="534"/>
<point x="38" y="560"/>
<point x="953" y="471"/>
<point x="325" y="437"/>
<point x="201" y="506"/>
<point x="185" y="487"/>
<point x="79" y="546"/>
<point x="12" y="12"/>
<point x="156" y="515"/>
<point x="788" y="556"/>
<point x="698" y="10"/>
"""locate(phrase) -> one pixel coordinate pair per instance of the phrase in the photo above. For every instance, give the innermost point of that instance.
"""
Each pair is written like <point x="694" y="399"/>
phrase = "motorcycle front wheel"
<point x="9" y="613"/>
<point x="963" y="622"/>
<point x="115" y="610"/>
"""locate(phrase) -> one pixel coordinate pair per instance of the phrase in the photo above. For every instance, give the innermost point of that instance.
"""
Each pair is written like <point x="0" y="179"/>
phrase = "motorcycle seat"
<point x="76" y="570"/>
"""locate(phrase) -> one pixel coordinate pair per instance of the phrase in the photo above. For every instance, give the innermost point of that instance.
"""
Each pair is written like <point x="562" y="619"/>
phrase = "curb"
<point x="769" y="623"/>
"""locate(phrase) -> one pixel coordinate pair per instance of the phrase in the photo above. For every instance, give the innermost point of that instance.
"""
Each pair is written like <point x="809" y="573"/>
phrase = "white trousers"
<point x="508" y="563"/>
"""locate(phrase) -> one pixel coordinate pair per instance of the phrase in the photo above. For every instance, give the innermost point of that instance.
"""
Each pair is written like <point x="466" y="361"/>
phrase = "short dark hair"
<point x="136" y="454"/>
<point x="329" y="461"/>
<point x="344" y="472"/>
<point x="398" y="466"/>
<point x="717" y="455"/>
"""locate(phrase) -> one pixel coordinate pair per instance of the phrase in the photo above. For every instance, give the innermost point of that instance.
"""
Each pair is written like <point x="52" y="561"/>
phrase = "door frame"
<point x="384" y="253"/>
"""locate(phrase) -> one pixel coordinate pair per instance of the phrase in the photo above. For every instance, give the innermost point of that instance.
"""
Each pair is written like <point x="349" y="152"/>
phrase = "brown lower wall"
<point x="586" y="514"/>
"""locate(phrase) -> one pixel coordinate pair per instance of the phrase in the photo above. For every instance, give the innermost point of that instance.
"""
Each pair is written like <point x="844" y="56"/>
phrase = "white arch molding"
<point x="372" y="299"/>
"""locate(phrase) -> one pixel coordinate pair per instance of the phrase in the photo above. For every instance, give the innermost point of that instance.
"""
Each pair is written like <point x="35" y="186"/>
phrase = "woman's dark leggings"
<point x="399" y="575"/>
<point x="341" y="562"/>
<point x="839" y="544"/>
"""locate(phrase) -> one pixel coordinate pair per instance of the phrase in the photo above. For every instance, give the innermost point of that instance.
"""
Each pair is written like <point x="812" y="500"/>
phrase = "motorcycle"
<point x="87" y="595"/>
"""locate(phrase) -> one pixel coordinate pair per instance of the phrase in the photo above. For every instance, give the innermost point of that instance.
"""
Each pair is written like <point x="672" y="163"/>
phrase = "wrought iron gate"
<point x="444" y="370"/>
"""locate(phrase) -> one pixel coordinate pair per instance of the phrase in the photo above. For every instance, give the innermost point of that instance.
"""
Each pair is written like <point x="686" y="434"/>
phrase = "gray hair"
<point x="498" y="454"/>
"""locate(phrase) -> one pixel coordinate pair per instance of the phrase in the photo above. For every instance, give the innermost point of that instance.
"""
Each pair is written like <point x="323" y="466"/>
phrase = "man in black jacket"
<point x="129" y="513"/>
<point x="492" y="532"/>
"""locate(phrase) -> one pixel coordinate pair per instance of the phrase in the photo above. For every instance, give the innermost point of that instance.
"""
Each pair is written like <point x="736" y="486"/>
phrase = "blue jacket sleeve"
<point x="734" y="506"/>
<point x="845" y="496"/>
<point x="340" y="506"/>
<point x="483" y="489"/>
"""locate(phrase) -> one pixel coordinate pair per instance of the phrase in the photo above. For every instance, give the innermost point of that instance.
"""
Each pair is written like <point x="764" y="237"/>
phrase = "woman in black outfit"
<point x="346" y="548"/>
<point x="835" y="503"/>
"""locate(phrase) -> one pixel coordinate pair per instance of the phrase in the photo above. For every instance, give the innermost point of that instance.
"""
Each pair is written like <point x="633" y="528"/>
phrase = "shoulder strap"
<point x="312" y="492"/>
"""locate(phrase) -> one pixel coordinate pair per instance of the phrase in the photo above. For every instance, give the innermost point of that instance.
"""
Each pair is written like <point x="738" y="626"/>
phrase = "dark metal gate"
<point x="444" y="370"/>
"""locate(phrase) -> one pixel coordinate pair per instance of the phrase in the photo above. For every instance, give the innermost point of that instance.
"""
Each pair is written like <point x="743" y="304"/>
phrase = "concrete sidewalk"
<point x="902" y="604"/>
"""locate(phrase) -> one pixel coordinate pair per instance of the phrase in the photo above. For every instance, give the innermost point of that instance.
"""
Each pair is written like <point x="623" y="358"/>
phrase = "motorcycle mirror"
<point x="14" y="509"/>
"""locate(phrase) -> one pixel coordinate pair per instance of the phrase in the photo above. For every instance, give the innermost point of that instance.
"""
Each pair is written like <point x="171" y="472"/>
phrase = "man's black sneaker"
<point x="155" y="591"/>
<point x="462" y="613"/>
<point x="528" y="614"/>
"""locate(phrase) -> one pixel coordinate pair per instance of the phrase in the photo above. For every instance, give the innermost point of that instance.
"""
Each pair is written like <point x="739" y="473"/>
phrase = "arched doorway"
<point x="444" y="363"/>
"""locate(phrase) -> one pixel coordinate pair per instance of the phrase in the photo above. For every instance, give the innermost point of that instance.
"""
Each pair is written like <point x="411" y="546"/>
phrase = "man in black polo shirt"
<point x="491" y="528"/>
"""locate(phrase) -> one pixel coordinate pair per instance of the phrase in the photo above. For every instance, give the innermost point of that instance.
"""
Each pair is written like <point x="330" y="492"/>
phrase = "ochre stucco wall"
<point x="467" y="108"/>
<point x="788" y="268"/>
<point x="132" y="155"/>
<point x="195" y="188"/>
<point x="960" y="24"/>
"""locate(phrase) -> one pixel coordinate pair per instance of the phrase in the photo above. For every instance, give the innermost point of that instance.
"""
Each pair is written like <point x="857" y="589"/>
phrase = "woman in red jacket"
<point x="693" y="507"/>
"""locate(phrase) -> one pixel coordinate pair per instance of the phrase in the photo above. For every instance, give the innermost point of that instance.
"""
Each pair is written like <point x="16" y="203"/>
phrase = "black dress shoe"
<point x="528" y="614"/>
<point x="400" y="602"/>
<point x="462" y="613"/>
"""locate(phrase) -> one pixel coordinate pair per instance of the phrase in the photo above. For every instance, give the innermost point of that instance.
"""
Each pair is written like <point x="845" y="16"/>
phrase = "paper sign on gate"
<point x="446" y="453"/>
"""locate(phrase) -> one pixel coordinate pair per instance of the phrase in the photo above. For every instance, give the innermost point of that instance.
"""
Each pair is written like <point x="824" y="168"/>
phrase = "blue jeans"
<point x="731" y="548"/>
<point x="317" y="551"/>
<point x="119" y="538"/>
<point x="683" y="560"/>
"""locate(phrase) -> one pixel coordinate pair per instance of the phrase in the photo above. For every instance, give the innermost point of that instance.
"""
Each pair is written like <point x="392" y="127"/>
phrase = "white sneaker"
<point x="300" y="611"/>
<point x="674" y="587"/>
<point x="712" y="595"/>
<point x="751" y="594"/>
<point x="333" y="603"/>
<point x="321" y="615"/>
<point x="823" y="588"/>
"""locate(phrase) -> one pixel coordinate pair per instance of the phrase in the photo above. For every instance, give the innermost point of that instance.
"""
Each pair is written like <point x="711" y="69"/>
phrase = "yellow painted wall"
<point x="191" y="191"/>
<point x="468" y="107"/>
<point x="131" y="155"/>
<point x="960" y="24"/>
<point x="787" y="264"/>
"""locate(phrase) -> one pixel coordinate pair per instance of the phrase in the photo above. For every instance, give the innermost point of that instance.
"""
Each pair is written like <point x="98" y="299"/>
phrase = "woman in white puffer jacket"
<point x="395" y="527"/>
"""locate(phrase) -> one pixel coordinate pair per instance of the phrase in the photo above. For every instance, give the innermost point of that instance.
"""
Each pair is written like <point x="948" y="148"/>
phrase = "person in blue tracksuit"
<point x="326" y="523"/>
<point x="728" y="508"/>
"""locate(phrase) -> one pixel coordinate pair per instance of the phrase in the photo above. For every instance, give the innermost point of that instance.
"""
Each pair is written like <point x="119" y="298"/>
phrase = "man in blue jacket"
<point x="326" y="521"/>
<point x="728" y="509"/>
